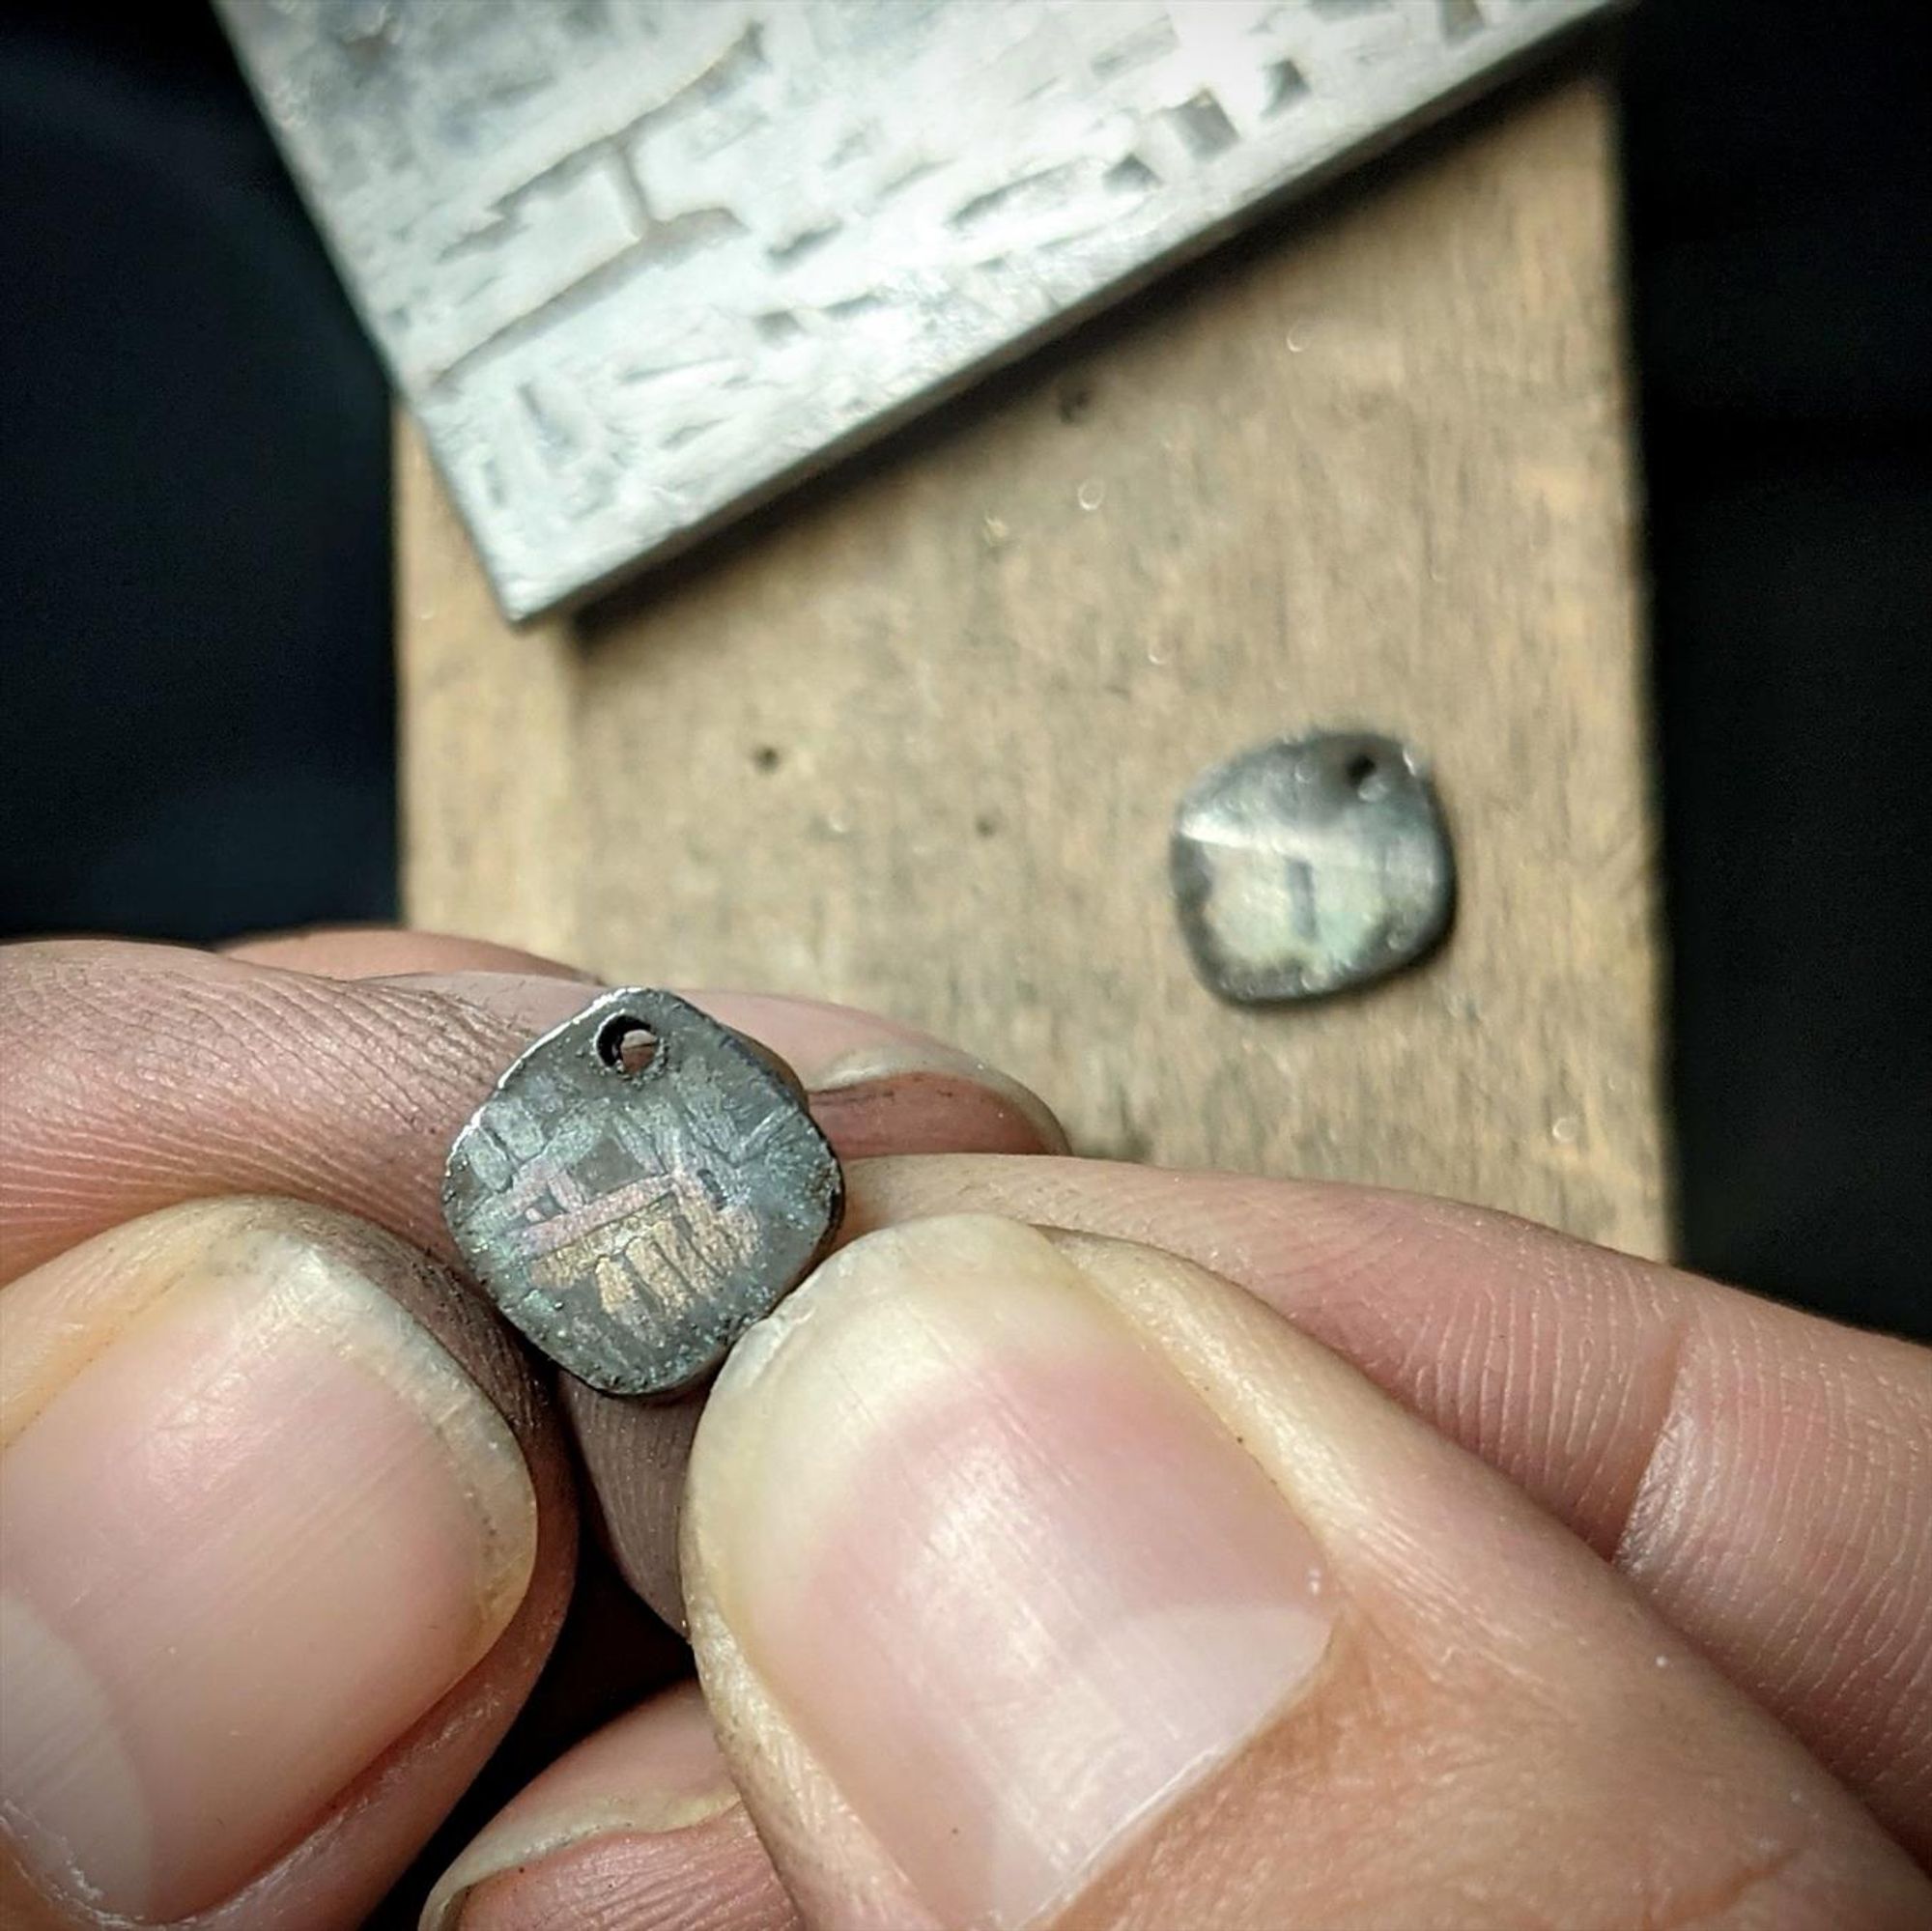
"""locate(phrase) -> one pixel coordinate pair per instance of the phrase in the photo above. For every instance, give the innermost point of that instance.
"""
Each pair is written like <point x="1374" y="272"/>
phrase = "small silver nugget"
<point x="642" y="1185"/>
<point x="1310" y="865"/>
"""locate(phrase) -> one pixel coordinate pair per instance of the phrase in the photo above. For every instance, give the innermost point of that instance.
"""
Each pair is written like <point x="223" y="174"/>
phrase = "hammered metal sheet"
<point x="634" y="1223"/>
<point x="638" y="262"/>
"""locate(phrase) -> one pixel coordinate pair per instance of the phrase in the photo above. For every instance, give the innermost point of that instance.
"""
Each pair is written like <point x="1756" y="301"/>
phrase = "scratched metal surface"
<point x="634" y="1223"/>
<point x="638" y="262"/>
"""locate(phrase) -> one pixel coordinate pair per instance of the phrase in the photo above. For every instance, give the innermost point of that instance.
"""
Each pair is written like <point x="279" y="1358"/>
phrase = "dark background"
<point x="196" y="714"/>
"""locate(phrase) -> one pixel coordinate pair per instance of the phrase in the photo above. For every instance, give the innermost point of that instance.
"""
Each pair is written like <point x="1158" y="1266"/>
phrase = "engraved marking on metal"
<point x="632" y="1223"/>
<point x="1308" y="865"/>
<point x="638" y="262"/>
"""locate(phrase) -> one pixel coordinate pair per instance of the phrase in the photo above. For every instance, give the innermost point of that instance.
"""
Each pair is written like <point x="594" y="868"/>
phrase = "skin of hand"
<point x="1082" y="1545"/>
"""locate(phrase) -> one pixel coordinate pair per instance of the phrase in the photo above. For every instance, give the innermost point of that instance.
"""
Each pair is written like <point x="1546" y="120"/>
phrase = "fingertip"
<point x="382" y="952"/>
<point x="903" y="1097"/>
<point x="982" y="1503"/>
<point x="281" y="1515"/>
<point x="1030" y="1546"/>
<point x="639" y="1825"/>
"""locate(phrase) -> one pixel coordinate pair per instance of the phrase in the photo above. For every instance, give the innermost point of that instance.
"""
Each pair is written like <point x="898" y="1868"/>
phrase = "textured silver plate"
<point x="635" y="263"/>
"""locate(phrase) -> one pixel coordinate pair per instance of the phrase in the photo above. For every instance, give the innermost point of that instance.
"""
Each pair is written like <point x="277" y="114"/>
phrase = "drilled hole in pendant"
<point x="626" y="1046"/>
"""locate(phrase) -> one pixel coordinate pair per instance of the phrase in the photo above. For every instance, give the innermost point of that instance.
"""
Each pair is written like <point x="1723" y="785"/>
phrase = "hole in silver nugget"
<point x="626" y="1046"/>
<point x="1367" y="778"/>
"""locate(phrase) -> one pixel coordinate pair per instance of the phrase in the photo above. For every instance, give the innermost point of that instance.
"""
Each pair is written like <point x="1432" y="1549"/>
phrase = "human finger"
<point x="878" y="1086"/>
<point x="1038" y="1578"/>
<point x="640" y="1825"/>
<point x="142" y="1075"/>
<point x="377" y="951"/>
<point x="289" y="1535"/>
<point x="139" y="1075"/>
<point x="1764" y="1478"/>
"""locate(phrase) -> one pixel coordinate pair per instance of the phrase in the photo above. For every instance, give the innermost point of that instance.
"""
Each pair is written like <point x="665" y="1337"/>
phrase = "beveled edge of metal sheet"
<point x="1391" y="949"/>
<point x="558" y="497"/>
<point x="665" y="1015"/>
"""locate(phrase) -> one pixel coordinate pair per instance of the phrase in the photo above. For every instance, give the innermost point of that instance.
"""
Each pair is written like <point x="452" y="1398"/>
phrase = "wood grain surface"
<point x="913" y="738"/>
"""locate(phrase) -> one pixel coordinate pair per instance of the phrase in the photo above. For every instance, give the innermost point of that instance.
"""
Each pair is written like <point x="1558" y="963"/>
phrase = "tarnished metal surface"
<point x="1311" y="865"/>
<point x="640" y="1188"/>
<point x="636" y="263"/>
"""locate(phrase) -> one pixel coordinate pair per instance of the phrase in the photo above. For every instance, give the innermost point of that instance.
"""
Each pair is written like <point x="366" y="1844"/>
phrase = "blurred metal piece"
<point x="636" y="264"/>
<point x="1308" y="865"/>
<point x="642" y="1185"/>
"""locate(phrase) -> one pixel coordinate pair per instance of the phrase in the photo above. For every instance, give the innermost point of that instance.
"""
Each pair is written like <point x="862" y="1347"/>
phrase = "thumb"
<point x="1041" y="1579"/>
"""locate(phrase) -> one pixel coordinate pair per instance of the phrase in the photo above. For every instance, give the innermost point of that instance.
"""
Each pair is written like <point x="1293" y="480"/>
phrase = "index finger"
<point x="139" y="1077"/>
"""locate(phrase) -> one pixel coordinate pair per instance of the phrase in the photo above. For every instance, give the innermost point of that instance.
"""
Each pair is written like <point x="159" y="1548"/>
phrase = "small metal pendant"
<point x="640" y="1188"/>
<point x="1308" y="865"/>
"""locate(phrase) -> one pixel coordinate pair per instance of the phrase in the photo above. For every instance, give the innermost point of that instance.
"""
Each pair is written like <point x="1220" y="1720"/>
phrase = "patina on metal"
<point x="642" y="1185"/>
<point x="1308" y="866"/>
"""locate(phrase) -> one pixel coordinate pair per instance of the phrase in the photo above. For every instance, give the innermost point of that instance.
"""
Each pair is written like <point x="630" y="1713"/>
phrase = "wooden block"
<point x="914" y="739"/>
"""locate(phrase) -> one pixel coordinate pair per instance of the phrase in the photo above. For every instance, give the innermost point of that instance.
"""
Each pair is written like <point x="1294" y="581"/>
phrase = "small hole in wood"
<point x="1361" y="773"/>
<point x="626" y="1046"/>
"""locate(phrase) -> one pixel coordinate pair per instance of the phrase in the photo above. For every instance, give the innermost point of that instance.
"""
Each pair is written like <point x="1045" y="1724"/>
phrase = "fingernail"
<point x="1009" y="1579"/>
<point x="257" y="1524"/>
<point x="907" y="1085"/>
<point x="591" y="1818"/>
